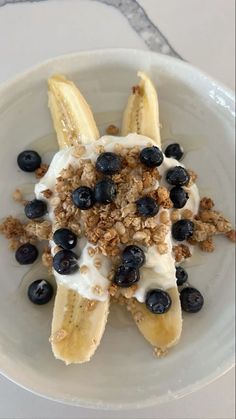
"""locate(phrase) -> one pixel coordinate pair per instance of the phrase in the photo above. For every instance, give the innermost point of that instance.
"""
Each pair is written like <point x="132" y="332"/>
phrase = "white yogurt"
<point x="159" y="270"/>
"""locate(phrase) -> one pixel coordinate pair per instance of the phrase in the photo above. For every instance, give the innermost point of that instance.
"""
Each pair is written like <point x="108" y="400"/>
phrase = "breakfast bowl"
<point x="195" y="111"/>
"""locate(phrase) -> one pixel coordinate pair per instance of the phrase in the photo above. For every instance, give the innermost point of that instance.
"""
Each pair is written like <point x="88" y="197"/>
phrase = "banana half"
<point x="142" y="117"/>
<point x="72" y="117"/>
<point x="78" y="324"/>
<point x="161" y="330"/>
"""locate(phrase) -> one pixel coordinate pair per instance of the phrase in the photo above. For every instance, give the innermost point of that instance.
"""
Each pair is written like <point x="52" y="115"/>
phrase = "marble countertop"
<point x="198" y="31"/>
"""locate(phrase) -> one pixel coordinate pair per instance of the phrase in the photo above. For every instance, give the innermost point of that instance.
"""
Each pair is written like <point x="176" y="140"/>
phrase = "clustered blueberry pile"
<point x="65" y="261"/>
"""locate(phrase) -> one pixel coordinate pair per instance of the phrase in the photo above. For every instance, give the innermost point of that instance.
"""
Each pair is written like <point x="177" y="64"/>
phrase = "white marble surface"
<point x="198" y="30"/>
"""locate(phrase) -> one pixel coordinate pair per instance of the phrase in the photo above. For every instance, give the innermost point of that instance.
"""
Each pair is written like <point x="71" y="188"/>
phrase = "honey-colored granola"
<point x="47" y="258"/>
<point x="112" y="130"/>
<point x="175" y="215"/>
<point x="41" y="171"/>
<point x="206" y="203"/>
<point x="47" y="193"/>
<point x="207" y="245"/>
<point x="181" y="252"/>
<point x="40" y="229"/>
<point x="18" y="197"/>
<point x="108" y="226"/>
<point x="231" y="235"/>
<point x="187" y="214"/>
<point x="192" y="177"/>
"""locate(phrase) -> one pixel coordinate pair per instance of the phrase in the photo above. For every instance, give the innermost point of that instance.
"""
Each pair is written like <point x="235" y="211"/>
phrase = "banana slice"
<point x="72" y="117"/>
<point x="141" y="115"/>
<point x="161" y="330"/>
<point x="78" y="324"/>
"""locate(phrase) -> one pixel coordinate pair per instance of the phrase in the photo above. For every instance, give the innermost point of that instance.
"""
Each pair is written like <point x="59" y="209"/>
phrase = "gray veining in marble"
<point x="138" y="19"/>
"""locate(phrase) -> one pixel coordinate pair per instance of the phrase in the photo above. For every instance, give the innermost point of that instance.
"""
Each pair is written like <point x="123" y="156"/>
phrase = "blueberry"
<point x="126" y="276"/>
<point x="105" y="191"/>
<point x="133" y="256"/>
<point x="26" y="254"/>
<point x="65" y="262"/>
<point x="151" y="156"/>
<point x="181" y="275"/>
<point x="177" y="176"/>
<point x="29" y="160"/>
<point x="178" y="196"/>
<point x="182" y="229"/>
<point x="35" y="209"/>
<point x="40" y="292"/>
<point x="108" y="163"/>
<point x="191" y="300"/>
<point x="147" y="206"/>
<point x="65" y="238"/>
<point x="83" y="197"/>
<point x="158" y="301"/>
<point x="175" y="151"/>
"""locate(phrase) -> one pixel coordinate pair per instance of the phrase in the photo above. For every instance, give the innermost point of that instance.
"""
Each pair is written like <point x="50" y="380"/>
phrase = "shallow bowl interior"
<point x="194" y="110"/>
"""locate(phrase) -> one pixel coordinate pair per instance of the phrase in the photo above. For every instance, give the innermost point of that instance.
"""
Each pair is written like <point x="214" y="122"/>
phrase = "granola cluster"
<point x="209" y="223"/>
<point x="18" y="233"/>
<point x="109" y="226"/>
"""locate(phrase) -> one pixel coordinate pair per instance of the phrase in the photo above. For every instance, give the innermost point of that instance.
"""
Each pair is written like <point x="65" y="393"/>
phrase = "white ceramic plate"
<point x="199" y="113"/>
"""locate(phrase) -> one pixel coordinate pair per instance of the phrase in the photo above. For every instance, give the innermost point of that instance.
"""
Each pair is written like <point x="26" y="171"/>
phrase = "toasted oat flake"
<point x="181" y="252"/>
<point x="14" y="244"/>
<point x="231" y="235"/>
<point x="113" y="289"/>
<point x="97" y="263"/>
<point x="160" y="352"/>
<point x="90" y="305"/>
<point x="41" y="229"/>
<point x="18" y="197"/>
<point x="192" y="177"/>
<point x="99" y="149"/>
<point x="97" y="289"/>
<point x="138" y="316"/>
<point x="175" y="215"/>
<point x="162" y="248"/>
<point x="120" y="228"/>
<point x="163" y="194"/>
<point x="187" y="214"/>
<point x="136" y="90"/>
<point x="91" y="251"/>
<point x="112" y="130"/>
<point x="47" y="193"/>
<point x="140" y="235"/>
<point x="58" y="336"/>
<point x="41" y="171"/>
<point x="207" y="245"/>
<point x="206" y="203"/>
<point x="12" y="228"/>
<point x="79" y="150"/>
<point x="129" y="292"/>
<point x="164" y="217"/>
<point x="47" y="259"/>
<point x="84" y="269"/>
